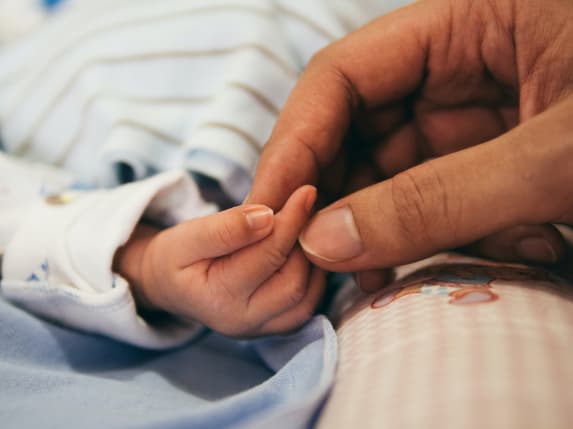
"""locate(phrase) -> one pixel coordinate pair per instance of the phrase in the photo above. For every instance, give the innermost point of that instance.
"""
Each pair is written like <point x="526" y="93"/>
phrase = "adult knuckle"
<point x="334" y="70"/>
<point x="422" y="204"/>
<point x="408" y="201"/>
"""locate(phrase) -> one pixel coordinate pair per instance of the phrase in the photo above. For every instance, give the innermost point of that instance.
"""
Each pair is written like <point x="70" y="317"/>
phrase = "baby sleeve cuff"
<point x="58" y="263"/>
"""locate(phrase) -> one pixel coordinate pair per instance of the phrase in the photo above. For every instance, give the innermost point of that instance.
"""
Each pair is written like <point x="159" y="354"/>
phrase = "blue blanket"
<point x="52" y="377"/>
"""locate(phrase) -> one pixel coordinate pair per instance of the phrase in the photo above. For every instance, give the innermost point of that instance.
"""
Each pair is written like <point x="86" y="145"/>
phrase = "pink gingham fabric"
<point x="502" y="357"/>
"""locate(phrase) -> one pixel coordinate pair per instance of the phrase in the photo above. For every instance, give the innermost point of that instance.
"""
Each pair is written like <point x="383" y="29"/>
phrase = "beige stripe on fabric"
<point x="252" y="141"/>
<point x="261" y="98"/>
<point x="76" y="138"/>
<point x="23" y="146"/>
<point x="78" y="42"/>
<point x="308" y="22"/>
<point x="131" y="123"/>
<point x="257" y="95"/>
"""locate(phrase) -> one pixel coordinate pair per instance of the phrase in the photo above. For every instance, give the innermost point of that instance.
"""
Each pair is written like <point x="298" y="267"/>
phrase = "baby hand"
<point x="239" y="271"/>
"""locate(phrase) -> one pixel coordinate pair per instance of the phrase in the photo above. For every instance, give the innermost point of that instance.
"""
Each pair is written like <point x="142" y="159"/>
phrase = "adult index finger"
<point x="382" y="62"/>
<point x="519" y="178"/>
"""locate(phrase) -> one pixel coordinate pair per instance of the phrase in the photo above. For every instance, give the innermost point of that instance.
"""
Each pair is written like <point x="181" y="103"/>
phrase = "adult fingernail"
<point x="536" y="249"/>
<point x="259" y="217"/>
<point x="332" y="235"/>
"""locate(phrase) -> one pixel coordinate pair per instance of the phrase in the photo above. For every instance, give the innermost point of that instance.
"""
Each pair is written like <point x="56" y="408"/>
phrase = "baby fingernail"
<point x="332" y="235"/>
<point x="536" y="249"/>
<point x="259" y="217"/>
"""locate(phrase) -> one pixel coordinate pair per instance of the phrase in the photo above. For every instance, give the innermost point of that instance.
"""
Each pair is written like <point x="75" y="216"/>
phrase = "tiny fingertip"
<point x="304" y="196"/>
<point x="310" y="198"/>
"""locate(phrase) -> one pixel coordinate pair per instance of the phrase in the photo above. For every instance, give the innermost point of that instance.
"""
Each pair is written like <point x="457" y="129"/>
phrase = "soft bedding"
<point x="53" y="377"/>
<point x="95" y="94"/>
<point x="454" y="346"/>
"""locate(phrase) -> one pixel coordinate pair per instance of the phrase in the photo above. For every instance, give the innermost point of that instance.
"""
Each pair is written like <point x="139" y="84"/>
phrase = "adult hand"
<point x="468" y="108"/>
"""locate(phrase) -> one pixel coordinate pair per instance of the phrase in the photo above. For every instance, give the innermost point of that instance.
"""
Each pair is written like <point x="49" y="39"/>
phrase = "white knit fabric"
<point x="160" y="85"/>
<point x="101" y="92"/>
<point x="57" y="262"/>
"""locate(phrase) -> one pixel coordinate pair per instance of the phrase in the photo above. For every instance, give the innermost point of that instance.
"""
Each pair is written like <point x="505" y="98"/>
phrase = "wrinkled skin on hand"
<point x="455" y="119"/>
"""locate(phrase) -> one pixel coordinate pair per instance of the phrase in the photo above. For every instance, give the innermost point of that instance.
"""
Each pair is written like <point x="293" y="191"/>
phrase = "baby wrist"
<point x="130" y="262"/>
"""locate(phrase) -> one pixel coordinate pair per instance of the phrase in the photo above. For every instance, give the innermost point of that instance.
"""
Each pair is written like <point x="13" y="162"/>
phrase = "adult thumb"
<point x="522" y="177"/>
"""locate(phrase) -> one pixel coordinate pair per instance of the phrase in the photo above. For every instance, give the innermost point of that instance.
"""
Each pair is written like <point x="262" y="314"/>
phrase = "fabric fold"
<point x="50" y="268"/>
